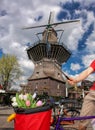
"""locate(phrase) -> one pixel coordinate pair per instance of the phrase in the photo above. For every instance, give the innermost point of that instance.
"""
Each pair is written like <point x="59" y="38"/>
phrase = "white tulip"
<point x="34" y="96"/>
<point x="25" y="97"/>
<point x="14" y="104"/>
<point x="21" y="96"/>
<point x="14" y="99"/>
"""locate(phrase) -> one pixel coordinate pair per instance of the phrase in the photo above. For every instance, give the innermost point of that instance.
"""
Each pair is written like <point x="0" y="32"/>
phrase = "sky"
<point x="78" y="37"/>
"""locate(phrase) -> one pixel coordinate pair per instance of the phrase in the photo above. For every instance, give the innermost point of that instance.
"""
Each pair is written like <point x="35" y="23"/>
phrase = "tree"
<point x="9" y="70"/>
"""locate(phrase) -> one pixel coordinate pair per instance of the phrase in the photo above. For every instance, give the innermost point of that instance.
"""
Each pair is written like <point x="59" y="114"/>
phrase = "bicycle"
<point x="60" y="108"/>
<point x="59" y="126"/>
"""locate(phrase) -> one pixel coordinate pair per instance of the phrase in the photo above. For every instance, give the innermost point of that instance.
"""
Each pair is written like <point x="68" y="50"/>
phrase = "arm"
<point x="84" y="74"/>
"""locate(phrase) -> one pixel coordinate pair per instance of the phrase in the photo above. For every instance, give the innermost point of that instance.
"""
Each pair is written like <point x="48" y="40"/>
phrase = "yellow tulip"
<point x="11" y="117"/>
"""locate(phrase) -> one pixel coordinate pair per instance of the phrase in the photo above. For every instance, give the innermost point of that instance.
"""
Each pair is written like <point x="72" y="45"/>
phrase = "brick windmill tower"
<point x="48" y="55"/>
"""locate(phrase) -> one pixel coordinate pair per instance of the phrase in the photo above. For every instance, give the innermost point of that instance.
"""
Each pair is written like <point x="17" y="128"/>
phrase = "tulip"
<point x="14" y="104"/>
<point x="34" y="96"/>
<point x="21" y="96"/>
<point x="14" y="99"/>
<point x="25" y="97"/>
<point x="11" y="117"/>
<point x="39" y="103"/>
<point x="28" y="103"/>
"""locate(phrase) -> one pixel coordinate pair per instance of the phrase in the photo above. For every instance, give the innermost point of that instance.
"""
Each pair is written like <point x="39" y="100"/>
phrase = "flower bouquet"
<point x="26" y="101"/>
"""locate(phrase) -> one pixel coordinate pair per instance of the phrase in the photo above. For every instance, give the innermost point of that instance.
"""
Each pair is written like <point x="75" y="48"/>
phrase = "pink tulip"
<point x="28" y="103"/>
<point x="39" y="103"/>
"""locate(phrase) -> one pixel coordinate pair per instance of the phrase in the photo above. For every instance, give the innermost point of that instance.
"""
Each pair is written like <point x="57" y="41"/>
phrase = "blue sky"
<point x="79" y="38"/>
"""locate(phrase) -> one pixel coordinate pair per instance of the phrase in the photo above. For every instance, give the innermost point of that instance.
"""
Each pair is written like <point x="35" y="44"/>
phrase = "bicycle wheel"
<point x="73" y="113"/>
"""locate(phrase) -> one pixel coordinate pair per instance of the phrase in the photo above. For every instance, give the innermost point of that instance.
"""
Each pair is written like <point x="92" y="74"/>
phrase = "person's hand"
<point x="71" y="81"/>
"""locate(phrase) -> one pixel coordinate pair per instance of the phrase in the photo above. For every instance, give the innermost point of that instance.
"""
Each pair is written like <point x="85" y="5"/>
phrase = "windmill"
<point x="48" y="55"/>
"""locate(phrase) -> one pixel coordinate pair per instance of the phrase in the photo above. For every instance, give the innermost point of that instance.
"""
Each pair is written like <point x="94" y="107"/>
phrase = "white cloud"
<point x="86" y="60"/>
<point x="75" y="67"/>
<point x="74" y="37"/>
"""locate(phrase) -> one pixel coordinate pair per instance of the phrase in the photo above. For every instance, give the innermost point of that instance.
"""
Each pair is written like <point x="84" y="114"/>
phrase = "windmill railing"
<point x="56" y="43"/>
<point x="40" y="41"/>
